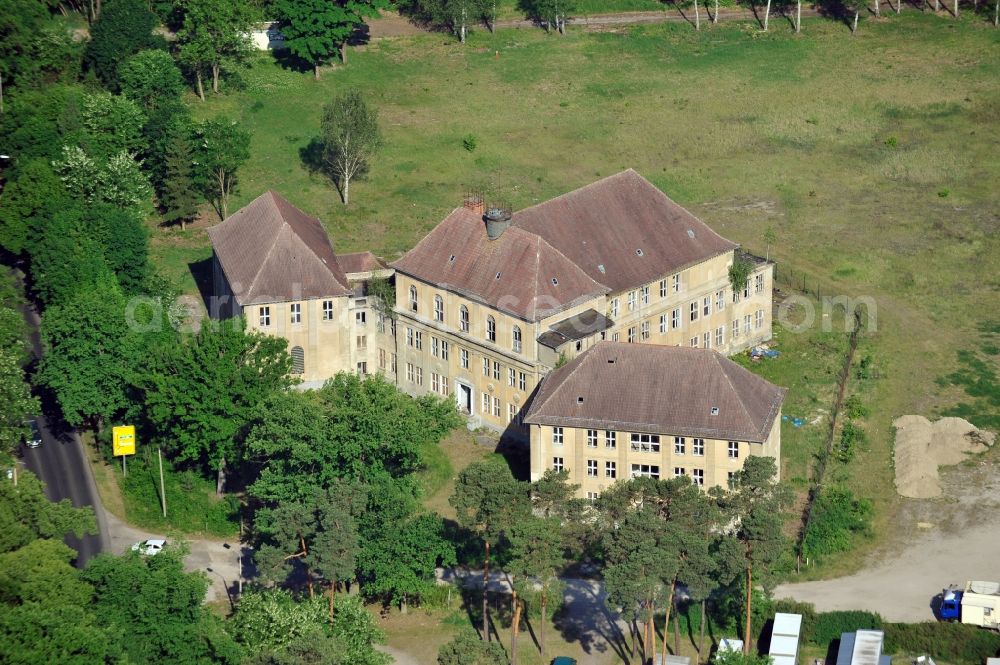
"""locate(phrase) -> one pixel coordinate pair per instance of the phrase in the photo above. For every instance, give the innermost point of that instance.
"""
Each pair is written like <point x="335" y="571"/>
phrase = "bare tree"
<point x="350" y="138"/>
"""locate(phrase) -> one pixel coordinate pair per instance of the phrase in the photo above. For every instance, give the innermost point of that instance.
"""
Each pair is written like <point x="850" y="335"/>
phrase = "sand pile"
<point x="923" y="446"/>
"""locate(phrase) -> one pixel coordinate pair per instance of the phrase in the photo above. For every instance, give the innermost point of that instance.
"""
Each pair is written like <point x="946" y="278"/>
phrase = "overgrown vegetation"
<point x="978" y="379"/>
<point x="837" y="518"/>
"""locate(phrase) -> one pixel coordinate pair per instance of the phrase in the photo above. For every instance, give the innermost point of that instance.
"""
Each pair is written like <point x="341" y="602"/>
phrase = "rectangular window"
<point x="644" y="295"/>
<point x="463" y="319"/>
<point x="496" y="371"/>
<point x="663" y="324"/>
<point x="409" y="372"/>
<point x="591" y="438"/>
<point x="511" y="414"/>
<point x="746" y="290"/>
<point x="647" y="470"/>
<point x="295" y="309"/>
<point x="361" y="318"/>
<point x="746" y="324"/>
<point x="522" y="380"/>
<point x="592" y="497"/>
<point x="557" y="436"/>
<point x="496" y="407"/>
<point x="362" y="342"/>
<point x="679" y="471"/>
<point x="675" y="283"/>
<point x="491" y="329"/>
<point x="444" y="386"/>
<point x="438" y="308"/>
<point x="614" y="337"/>
<point x="362" y="368"/>
<point x="463" y="358"/>
<point x="265" y="316"/>
<point x="758" y="283"/>
<point x="486" y="367"/>
<point x="328" y="310"/>
<point x="694" y="342"/>
<point x="720" y="336"/>
<point x="720" y="300"/>
<point x="420" y="375"/>
<point x="736" y="329"/>
<point x="736" y="295"/>
<point x="663" y="288"/>
<point x="631" y="300"/>
<point x="698" y="447"/>
<point x="759" y="321"/>
<point x="486" y="404"/>
<point x="557" y="464"/>
<point x="706" y="305"/>
<point x="610" y="439"/>
<point x="381" y="323"/>
<point x="631" y="334"/>
<point x="409" y="336"/>
<point x="511" y="376"/>
<point x="680" y="445"/>
<point x="435" y="346"/>
<point x="645" y="443"/>
<point x="392" y="363"/>
<point x="734" y="450"/>
<point x="418" y="340"/>
<point x="730" y="477"/>
<point x="694" y="310"/>
<point x="675" y="319"/>
<point x="699" y="477"/>
<point x="592" y="468"/>
<point x="706" y="340"/>
<point x="434" y="382"/>
<point x="614" y="308"/>
<point x="381" y="358"/>
<point x="611" y="470"/>
<point x="644" y="330"/>
<point x="444" y="350"/>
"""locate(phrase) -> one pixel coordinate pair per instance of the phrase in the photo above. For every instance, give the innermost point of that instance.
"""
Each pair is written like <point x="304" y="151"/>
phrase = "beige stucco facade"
<point x="596" y="459"/>
<point x="326" y="335"/>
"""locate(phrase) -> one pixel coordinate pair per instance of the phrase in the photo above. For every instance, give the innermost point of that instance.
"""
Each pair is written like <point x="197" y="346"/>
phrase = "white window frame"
<point x="463" y="358"/>
<point x="675" y="318"/>
<point x="644" y="294"/>
<point x="675" y="282"/>
<point x="515" y="338"/>
<point x="614" y="308"/>
<point x="439" y="308"/>
<point x="644" y="330"/>
<point x="680" y="445"/>
<point x="328" y="310"/>
<point x="693" y="310"/>
<point x="698" y="447"/>
<point x="610" y="439"/>
<point x="413" y="298"/>
<point x="698" y="477"/>
<point x="463" y="319"/>
<point x="491" y="329"/>
<point x="720" y="300"/>
<point x="558" y="463"/>
<point x="611" y="469"/>
<point x="641" y="442"/>
<point x="663" y="324"/>
<point x="264" y="316"/>
<point x="646" y="470"/>
<point x="592" y="468"/>
<point x="591" y="438"/>
<point x="734" y="450"/>
<point x="558" y="436"/>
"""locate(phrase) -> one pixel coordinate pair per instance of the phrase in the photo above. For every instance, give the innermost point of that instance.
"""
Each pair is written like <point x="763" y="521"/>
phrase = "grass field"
<point x="874" y="158"/>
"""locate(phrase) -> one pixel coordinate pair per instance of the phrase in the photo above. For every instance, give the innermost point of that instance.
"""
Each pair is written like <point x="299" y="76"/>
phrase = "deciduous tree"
<point x="215" y="34"/>
<point x="315" y="30"/>
<point x="350" y="138"/>
<point x="151" y="79"/>
<point x="16" y="401"/>
<point x="124" y="28"/>
<point x="222" y="148"/>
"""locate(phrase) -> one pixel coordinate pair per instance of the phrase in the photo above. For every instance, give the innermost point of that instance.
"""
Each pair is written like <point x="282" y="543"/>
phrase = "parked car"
<point x="34" y="438"/>
<point x="149" y="547"/>
<point x="563" y="660"/>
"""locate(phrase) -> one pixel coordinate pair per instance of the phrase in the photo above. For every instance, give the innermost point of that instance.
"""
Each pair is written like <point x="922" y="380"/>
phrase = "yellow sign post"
<point x="123" y="443"/>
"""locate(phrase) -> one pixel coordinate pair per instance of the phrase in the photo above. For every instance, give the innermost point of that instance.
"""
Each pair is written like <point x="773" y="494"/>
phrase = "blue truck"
<point x="978" y="604"/>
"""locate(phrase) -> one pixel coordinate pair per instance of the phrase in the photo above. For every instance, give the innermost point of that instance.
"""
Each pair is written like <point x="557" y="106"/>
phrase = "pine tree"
<point x="178" y="197"/>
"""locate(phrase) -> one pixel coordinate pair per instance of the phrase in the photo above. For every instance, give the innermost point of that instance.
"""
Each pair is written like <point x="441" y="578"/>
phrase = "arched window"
<point x="516" y="337"/>
<point x="438" y="308"/>
<point x="413" y="298"/>
<point x="491" y="329"/>
<point x="463" y="319"/>
<point x="298" y="360"/>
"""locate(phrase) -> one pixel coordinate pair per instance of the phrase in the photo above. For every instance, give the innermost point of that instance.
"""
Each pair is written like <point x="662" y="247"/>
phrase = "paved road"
<point x="61" y="465"/>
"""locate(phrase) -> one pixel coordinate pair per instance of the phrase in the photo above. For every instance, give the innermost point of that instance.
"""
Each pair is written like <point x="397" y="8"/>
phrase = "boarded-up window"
<point x="298" y="360"/>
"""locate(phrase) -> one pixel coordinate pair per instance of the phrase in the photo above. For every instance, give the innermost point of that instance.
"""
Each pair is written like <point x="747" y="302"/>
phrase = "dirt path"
<point x="393" y="25"/>
<point x="398" y="657"/>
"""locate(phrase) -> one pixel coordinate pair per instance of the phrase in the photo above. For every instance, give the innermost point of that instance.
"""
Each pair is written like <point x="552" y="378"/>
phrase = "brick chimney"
<point x="474" y="202"/>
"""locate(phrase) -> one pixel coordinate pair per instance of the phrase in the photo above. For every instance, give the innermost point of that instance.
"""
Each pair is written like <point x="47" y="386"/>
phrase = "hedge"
<point x="830" y="625"/>
<point x="957" y="643"/>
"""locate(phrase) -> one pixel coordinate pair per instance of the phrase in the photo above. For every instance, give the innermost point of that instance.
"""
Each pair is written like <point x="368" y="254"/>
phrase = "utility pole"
<point x="163" y="491"/>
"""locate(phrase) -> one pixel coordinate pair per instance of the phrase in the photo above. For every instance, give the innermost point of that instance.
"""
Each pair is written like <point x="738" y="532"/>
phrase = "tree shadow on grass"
<point x="201" y="272"/>
<point x="585" y="618"/>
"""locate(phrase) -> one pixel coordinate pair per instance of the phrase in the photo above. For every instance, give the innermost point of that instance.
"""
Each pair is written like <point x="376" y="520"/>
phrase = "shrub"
<point x="854" y="408"/>
<point x="469" y="142"/>
<point x="830" y="625"/>
<point x="836" y="516"/>
<point x="806" y="610"/>
<point x="959" y="643"/>
<point x="851" y="438"/>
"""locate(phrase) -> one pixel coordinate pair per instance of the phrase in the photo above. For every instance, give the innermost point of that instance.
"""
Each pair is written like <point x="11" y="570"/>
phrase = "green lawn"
<point x="874" y="158"/>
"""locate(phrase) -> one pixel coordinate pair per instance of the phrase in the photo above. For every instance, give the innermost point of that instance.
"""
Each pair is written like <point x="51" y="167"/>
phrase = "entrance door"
<point x="463" y="395"/>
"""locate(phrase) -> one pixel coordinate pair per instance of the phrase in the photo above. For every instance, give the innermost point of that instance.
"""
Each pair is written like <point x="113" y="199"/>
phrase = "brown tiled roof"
<point x="359" y="262"/>
<point x="601" y="226"/>
<point x="535" y="280"/>
<point x="657" y="389"/>
<point x="273" y="252"/>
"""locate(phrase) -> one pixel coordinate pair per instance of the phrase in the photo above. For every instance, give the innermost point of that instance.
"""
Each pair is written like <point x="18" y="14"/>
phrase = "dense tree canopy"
<point x="124" y="28"/>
